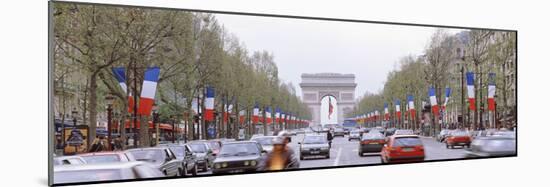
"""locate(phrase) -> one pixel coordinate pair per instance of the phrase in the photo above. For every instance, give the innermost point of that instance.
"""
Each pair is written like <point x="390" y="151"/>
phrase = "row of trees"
<point x="193" y="51"/>
<point x="443" y="65"/>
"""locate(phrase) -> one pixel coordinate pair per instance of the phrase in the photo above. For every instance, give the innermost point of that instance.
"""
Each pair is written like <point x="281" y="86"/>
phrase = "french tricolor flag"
<point x="255" y="114"/>
<point x="283" y="117"/>
<point x="209" y="104"/>
<point x="471" y="90"/>
<point x="120" y="76"/>
<point x="447" y="97"/>
<point x="277" y="115"/>
<point x="268" y="114"/>
<point x="148" y="90"/>
<point x="398" y="108"/>
<point x="241" y="116"/>
<point x="433" y="101"/>
<point x="412" y="111"/>
<point x="491" y="92"/>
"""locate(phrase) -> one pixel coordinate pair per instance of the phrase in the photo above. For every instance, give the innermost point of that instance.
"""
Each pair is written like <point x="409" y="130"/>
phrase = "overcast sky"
<point x="370" y="51"/>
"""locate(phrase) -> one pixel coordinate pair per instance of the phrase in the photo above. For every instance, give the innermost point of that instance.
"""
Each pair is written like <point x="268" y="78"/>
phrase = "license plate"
<point x="408" y="149"/>
<point x="236" y="171"/>
<point x="314" y="152"/>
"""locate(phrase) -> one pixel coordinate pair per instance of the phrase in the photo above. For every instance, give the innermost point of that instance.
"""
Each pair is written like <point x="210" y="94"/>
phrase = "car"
<point x="443" y="134"/>
<point x="389" y="131"/>
<point x="256" y="135"/>
<point x="239" y="157"/>
<point x="355" y="135"/>
<point x="314" y="145"/>
<point x="104" y="172"/>
<point x="402" y="148"/>
<point x="162" y="158"/>
<point x="68" y="160"/>
<point x="371" y="143"/>
<point x="403" y="132"/>
<point x="107" y="157"/>
<point x="339" y="132"/>
<point x="203" y="154"/>
<point x="286" y="134"/>
<point x="458" y="138"/>
<point x="265" y="141"/>
<point x="490" y="146"/>
<point x="187" y="158"/>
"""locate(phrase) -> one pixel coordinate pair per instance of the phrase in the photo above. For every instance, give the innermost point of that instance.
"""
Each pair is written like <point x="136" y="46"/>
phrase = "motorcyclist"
<point x="282" y="156"/>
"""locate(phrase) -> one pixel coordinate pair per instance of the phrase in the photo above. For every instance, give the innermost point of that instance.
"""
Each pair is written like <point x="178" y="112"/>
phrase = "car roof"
<point x="147" y="148"/>
<point x="97" y="166"/>
<point x="102" y="153"/>
<point x="240" y="142"/>
<point x="405" y="136"/>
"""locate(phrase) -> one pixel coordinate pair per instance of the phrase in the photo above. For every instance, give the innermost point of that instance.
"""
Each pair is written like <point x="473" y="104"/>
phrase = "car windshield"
<point x="153" y="155"/>
<point x="198" y="147"/>
<point x="372" y="136"/>
<point x="178" y="151"/>
<point x="91" y="159"/>
<point x="459" y="133"/>
<point x="314" y="140"/>
<point x="406" y="141"/>
<point x="87" y="175"/>
<point x="264" y="140"/>
<point x="398" y="132"/>
<point x="496" y="145"/>
<point x="239" y="149"/>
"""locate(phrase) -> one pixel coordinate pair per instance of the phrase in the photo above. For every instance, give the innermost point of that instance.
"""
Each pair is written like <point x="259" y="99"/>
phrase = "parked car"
<point x="339" y="132"/>
<point x="443" y="134"/>
<point x="371" y="143"/>
<point x="104" y="172"/>
<point x="265" y="141"/>
<point x="492" y="146"/>
<point x="355" y="135"/>
<point x="402" y="148"/>
<point x="458" y="138"/>
<point x="238" y="157"/>
<point x="161" y="158"/>
<point x="68" y="160"/>
<point x="187" y="158"/>
<point x="203" y="153"/>
<point x="107" y="157"/>
<point x="314" y="145"/>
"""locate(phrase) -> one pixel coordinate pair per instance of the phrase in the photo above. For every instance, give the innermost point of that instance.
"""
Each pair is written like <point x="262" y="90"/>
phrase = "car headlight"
<point x="224" y="164"/>
<point x="253" y="163"/>
<point x="217" y="166"/>
<point x="246" y="163"/>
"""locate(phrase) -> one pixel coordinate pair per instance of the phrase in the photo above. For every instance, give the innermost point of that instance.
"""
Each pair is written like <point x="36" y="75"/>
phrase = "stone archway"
<point x="316" y="86"/>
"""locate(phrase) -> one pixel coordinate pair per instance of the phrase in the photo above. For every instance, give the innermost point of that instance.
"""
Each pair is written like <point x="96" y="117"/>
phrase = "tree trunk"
<point x="92" y="107"/>
<point x="144" y="131"/>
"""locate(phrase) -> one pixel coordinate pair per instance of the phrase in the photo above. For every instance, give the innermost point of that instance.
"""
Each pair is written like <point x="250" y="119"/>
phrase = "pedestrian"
<point x="329" y="138"/>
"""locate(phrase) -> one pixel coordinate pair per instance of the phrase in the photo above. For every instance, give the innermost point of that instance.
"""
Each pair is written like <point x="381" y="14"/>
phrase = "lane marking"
<point x="338" y="156"/>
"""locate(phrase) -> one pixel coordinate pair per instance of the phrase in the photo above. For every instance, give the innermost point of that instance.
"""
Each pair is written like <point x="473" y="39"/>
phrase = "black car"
<point x="204" y="154"/>
<point x="186" y="156"/>
<point x="239" y="157"/>
<point x="314" y="145"/>
<point x="372" y="142"/>
<point x="490" y="146"/>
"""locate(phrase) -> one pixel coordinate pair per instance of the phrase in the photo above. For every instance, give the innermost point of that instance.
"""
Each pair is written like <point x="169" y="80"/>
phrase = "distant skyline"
<point x="370" y="51"/>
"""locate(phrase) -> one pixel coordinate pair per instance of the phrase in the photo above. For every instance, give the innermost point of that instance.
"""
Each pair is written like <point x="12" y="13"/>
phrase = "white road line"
<point x="338" y="156"/>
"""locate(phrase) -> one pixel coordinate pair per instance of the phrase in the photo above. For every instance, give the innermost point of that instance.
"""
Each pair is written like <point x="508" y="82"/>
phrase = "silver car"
<point x="66" y="174"/>
<point x="68" y="160"/>
<point x="161" y="158"/>
<point x="314" y="145"/>
<point x="355" y="135"/>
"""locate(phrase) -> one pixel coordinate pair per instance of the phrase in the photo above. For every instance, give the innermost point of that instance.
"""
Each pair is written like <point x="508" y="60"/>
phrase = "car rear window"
<point x="460" y="133"/>
<point x="406" y="141"/>
<point x="372" y="136"/>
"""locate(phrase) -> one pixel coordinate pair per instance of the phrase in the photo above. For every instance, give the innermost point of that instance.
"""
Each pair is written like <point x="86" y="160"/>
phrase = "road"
<point x="344" y="152"/>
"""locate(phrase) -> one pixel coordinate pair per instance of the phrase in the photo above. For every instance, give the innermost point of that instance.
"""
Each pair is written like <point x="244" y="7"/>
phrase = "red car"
<point x="402" y="148"/>
<point x="458" y="138"/>
<point x="107" y="157"/>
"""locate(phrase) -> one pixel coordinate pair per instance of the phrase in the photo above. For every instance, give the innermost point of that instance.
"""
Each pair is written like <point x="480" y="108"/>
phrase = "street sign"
<point x="211" y="131"/>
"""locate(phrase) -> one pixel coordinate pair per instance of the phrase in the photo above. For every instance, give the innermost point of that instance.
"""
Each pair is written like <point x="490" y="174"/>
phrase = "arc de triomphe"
<point x="316" y="86"/>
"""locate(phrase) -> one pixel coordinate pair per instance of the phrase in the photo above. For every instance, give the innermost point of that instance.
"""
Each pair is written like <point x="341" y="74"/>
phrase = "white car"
<point x="355" y="134"/>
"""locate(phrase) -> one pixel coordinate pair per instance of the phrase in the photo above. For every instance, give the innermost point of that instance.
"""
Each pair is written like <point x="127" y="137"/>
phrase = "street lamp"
<point x="155" y="123"/>
<point x="74" y="115"/>
<point x="110" y="99"/>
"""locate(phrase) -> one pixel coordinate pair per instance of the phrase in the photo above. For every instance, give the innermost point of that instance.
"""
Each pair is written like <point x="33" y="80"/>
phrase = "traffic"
<point x="309" y="147"/>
